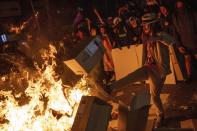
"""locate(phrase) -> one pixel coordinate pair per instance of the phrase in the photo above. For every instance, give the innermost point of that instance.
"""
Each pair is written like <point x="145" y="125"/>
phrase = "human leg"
<point x="156" y="84"/>
<point x="155" y="90"/>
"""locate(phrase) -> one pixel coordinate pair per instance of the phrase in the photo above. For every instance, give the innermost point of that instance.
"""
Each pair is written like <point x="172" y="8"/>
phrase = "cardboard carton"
<point x="86" y="56"/>
<point x="93" y="115"/>
<point x="127" y="60"/>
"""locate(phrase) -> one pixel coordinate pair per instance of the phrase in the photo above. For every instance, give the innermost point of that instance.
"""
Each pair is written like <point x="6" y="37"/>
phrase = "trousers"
<point x="155" y="82"/>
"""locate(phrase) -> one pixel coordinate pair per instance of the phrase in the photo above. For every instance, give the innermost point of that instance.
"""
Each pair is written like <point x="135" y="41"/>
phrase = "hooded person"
<point x="156" y="63"/>
<point x="186" y="33"/>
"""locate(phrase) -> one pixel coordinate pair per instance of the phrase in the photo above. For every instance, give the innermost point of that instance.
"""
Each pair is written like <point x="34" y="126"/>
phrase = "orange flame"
<point x="20" y="28"/>
<point x="52" y="105"/>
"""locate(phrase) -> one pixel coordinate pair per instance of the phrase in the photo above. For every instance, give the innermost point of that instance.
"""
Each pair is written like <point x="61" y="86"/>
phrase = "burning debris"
<point x="18" y="29"/>
<point x="50" y="105"/>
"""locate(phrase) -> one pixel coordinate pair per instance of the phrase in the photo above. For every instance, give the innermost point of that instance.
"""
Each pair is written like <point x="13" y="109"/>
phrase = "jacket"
<point x="185" y="29"/>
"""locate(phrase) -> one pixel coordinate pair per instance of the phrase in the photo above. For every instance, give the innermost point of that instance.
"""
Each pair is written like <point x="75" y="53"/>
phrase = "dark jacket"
<point x="185" y="29"/>
<point x="166" y="24"/>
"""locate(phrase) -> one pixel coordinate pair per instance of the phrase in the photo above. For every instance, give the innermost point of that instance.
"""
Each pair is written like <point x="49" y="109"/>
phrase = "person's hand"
<point x="182" y="50"/>
<point x="134" y="38"/>
<point x="166" y="23"/>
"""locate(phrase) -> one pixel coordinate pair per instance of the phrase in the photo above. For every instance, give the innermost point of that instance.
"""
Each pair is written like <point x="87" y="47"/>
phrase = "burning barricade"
<point x="49" y="104"/>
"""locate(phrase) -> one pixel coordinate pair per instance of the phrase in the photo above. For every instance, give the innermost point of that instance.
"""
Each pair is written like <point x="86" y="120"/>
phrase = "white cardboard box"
<point x="127" y="60"/>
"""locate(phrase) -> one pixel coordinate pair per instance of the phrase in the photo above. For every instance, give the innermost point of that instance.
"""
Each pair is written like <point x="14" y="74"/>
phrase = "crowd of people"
<point x="156" y="26"/>
<point x="156" y="29"/>
<point x="125" y="29"/>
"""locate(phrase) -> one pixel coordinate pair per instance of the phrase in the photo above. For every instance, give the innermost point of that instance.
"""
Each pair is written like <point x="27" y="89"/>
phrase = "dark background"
<point x="68" y="8"/>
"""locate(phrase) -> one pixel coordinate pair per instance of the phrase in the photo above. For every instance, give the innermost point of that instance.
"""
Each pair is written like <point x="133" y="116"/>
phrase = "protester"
<point x="156" y="63"/>
<point x="124" y="28"/>
<point x="165" y="20"/>
<point x="186" y="34"/>
<point x="121" y="32"/>
<point x="134" y="30"/>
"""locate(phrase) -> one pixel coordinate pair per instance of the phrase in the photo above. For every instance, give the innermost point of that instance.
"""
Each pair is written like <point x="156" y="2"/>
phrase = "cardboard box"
<point x="136" y="119"/>
<point x="190" y="123"/>
<point x="93" y="115"/>
<point x="127" y="60"/>
<point x="176" y="64"/>
<point x="85" y="56"/>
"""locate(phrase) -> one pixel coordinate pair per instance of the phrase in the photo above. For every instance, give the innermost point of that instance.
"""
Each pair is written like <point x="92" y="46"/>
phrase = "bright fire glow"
<point x="19" y="29"/>
<point x="52" y="106"/>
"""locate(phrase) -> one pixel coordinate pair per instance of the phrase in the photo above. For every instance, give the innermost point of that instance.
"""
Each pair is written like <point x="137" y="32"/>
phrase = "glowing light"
<point x="52" y="106"/>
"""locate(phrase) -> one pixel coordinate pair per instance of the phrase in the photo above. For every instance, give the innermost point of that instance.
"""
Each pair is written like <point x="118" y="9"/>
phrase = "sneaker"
<point x="159" y="121"/>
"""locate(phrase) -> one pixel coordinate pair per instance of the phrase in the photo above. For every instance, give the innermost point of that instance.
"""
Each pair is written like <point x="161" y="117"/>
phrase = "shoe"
<point x="159" y="121"/>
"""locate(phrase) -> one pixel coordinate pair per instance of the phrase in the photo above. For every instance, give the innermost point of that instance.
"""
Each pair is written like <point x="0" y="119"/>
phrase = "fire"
<point x="51" y="106"/>
<point x="20" y="28"/>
